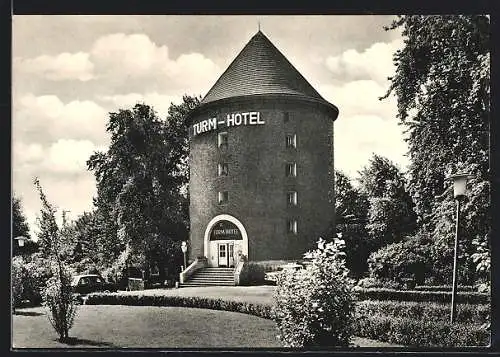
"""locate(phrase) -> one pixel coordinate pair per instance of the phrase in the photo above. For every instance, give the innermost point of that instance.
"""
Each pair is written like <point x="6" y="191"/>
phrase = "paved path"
<point x="252" y="294"/>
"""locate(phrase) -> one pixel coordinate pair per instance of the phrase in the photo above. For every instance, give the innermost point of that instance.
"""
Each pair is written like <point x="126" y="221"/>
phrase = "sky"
<point x="69" y="72"/>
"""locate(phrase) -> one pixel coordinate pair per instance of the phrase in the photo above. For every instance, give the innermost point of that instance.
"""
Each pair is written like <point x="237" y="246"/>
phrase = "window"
<point x="83" y="282"/>
<point x="291" y="198"/>
<point x="223" y="197"/>
<point x="286" y="117"/>
<point x="222" y="139"/>
<point x="223" y="169"/>
<point x="291" y="169"/>
<point x="291" y="141"/>
<point x="292" y="226"/>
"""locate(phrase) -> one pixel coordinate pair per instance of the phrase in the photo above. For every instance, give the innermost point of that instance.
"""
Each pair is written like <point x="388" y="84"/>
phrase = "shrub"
<point x="17" y="273"/>
<point x="314" y="306"/>
<point x="430" y="311"/>
<point x="252" y="273"/>
<point x="37" y="272"/>
<point x="413" y="295"/>
<point x="264" y="311"/>
<point x="409" y="258"/>
<point x="59" y="301"/>
<point x="369" y="282"/>
<point x="421" y="332"/>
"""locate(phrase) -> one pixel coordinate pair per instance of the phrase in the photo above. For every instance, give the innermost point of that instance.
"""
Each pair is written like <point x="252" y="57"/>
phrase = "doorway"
<point x="225" y="254"/>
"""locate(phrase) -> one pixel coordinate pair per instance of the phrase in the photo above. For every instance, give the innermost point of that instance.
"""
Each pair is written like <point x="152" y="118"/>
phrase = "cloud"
<point x="64" y="66"/>
<point x="132" y="54"/>
<point x="47" y="117"/>
<point x="159" y="102"/>
<point x="61" y="168"/>
<point x="360" y="97"/>
<point x="63" y="157"/>
<point x="357" y="137"/>
<point x="374" y="63"/>
<point x="121" y="58"/>
<point x="67" y="155"/>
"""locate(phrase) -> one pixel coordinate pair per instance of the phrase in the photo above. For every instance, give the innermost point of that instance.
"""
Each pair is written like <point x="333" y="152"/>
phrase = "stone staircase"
<point x="211" y="277"/>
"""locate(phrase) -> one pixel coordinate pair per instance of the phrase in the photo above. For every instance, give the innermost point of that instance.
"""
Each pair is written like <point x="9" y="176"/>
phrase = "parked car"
<point x="273" y="276"/>
<point x="91" y="283"/>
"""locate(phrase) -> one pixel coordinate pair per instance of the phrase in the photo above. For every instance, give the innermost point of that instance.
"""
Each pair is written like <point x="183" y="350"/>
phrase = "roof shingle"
<point x="260" y="69"/>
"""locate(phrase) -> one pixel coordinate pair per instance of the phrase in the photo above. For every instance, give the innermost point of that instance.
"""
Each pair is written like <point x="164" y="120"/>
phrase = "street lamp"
<point x="459" y="192"/>
<point x="184" y="249"/>
<point x="21" y="241"/>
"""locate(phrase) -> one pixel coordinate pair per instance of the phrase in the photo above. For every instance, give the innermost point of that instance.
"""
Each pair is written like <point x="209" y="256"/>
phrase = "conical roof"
<point x="261" y="69"/>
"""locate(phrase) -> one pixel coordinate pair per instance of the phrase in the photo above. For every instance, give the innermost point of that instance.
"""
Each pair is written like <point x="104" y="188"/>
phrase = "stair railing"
<point x="239" y="270"/>
<point x="194" y="266"/>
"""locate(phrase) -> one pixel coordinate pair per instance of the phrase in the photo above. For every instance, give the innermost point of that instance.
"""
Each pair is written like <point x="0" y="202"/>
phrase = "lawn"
<point x="146" y="326"/>
<point x="115" y="326"/>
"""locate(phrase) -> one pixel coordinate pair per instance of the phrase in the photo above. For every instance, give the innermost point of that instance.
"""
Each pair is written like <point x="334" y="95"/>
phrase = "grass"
<point x="116" y="326"/>
<point x="146" y="327"/>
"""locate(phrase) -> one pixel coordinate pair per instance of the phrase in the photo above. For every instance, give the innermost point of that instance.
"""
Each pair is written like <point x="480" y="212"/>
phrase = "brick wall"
<point x="257" y="183"/>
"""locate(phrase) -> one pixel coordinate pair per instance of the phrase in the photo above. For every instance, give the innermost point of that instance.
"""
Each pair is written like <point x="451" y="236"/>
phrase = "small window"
<point x="223" y="197"/>
<point x="222" y="139"/>
<point x="223" y="169"/>
<point x="292" y="198"/>
<point x="291" y="169"/>
<point x="292" y="226"/>
<point x="291" y="141"/>
<point x="286" y="117"/>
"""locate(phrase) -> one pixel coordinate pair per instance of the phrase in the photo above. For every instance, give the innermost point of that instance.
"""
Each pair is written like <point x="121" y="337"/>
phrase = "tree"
<point x="351" y="207"/>
<point x="442" y="88"/>
<point x="142" y="179"/>
<point x="19" y="225"/>
<point x="390" y="215"/>
<point x="58" y="294"/>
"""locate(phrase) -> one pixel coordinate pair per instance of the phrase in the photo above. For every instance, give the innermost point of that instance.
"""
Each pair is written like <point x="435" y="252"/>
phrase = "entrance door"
<point x="223" y="256"/>
<point x="231" y="254"/>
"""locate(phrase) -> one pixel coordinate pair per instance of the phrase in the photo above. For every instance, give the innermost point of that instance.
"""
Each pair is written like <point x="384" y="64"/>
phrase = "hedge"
<point x="411" y="323"/>
<point x="431" y="311"/>
<point x="421" y="332"/>
<point x="421" y="296"/>
<point x="264" y="311"/>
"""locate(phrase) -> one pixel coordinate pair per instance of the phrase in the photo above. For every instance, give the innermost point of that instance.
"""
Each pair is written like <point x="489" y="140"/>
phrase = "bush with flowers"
<point x="314" y="306"/>
<point x="17" y="282"/>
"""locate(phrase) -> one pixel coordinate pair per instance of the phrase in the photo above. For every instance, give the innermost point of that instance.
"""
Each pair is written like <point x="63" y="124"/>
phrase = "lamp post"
<point x="184" y="249"/>
<point x="459" y="192"/>
<point x="21" y="241"/>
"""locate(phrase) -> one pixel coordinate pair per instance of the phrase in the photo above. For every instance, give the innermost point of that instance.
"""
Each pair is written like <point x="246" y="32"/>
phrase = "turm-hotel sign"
<point x="232" y="119"/>
<point x="223" y="230"/>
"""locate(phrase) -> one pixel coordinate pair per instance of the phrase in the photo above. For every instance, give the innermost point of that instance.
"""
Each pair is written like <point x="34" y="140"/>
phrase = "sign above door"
<point x="225" y="230"/>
